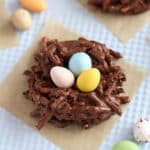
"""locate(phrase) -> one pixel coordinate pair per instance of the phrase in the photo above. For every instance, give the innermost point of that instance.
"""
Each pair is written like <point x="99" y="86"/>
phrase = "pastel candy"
<point x="142" y="131"/>
<point x="62" y="77"/>
<point x="34" y="5"/>
<point x="125" y="145"/>
<point x="21" y="19"/>
<point x="80" y="62"/>
<point x="88" y="80"/>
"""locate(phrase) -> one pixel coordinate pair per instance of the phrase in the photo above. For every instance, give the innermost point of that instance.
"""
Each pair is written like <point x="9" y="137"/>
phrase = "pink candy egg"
<point x="62" y="77"/>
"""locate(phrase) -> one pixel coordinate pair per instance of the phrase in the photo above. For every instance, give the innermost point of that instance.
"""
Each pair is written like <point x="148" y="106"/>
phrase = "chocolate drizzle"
<point x="63" y="107"/>
<point x="122" y="6"/>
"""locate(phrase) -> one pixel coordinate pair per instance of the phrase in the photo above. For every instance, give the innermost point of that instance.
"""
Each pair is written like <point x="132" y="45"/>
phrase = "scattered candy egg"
<point x="34" y="5"/>
<point x="80" y="62"/>
<point x="88" y="80"/>
<point x="62" y="77"/>
<point x="142" y="131"/>
<point x="21" y="19"/>
<point x="125" y="145"/>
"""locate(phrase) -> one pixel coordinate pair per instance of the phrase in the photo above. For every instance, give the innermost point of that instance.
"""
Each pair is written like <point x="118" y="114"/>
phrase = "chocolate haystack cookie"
<point x="66" y="106"/>
<point x="122" y="6"/>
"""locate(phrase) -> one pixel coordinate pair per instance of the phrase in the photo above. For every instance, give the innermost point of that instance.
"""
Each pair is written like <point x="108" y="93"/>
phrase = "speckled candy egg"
<point x="125" y="145"/>
<point x="88" y="80"/>
<point x="62" y="77"/>
<point x="79" y="62"/>
<point x="142" y="131"/>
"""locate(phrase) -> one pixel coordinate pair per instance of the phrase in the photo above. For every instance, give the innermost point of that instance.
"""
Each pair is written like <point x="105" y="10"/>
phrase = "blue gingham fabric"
<point x="14" y="134"/>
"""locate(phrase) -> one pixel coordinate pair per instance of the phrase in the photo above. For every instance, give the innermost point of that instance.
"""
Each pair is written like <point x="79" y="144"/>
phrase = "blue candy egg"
<point x="80" y="62"/>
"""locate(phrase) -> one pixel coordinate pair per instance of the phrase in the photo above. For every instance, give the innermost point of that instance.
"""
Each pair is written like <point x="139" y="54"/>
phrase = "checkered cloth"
<point x="14" y="134"/>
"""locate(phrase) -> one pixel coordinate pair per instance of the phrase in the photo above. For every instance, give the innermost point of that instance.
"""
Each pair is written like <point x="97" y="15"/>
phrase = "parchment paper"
<point x="125" y="27"/>
<point x="71" y="138"/>
<point x="8" y="36"/>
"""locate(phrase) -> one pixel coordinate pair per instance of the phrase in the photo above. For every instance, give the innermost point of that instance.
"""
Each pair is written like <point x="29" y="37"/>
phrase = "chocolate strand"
<point x="122" y="6"/>
<point x="62" y="106"/>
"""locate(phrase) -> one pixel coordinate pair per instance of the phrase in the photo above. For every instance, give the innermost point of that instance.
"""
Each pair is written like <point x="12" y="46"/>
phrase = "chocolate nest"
<point x="122" y="6"/>
<point x="63" y="107"/>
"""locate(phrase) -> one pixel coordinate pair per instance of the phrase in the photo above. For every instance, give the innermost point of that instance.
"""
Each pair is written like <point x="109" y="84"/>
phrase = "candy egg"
<point x="34" y="5"/>
<point x="62" y="77"/>
<point x="142" y="131"/>
<point x="125" y="145"/>
<point x="88" y="80"/>
<point x="79" y="62"/>
<point x="21" y="19"/>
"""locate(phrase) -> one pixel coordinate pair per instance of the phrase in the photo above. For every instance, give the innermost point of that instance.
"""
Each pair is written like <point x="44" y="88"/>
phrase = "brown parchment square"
<point x="123" y="26"/>
<point x="70" y="138"/>
<point x="8" y="36"/>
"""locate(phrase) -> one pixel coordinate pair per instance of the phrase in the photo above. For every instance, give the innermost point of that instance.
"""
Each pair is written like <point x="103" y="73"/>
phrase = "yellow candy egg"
<point x="34" y="5"/>
<point x="88" y="80"/>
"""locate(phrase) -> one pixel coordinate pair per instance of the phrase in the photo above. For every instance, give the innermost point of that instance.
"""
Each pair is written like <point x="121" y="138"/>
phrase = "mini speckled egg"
<point x="79" y="62"/>
<point x="125" y="145"/>
<point x="88" y="80"/>
<point x="62" y="77"/>
<point x="142" y="131"/>
<point x="34" y="5"/>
